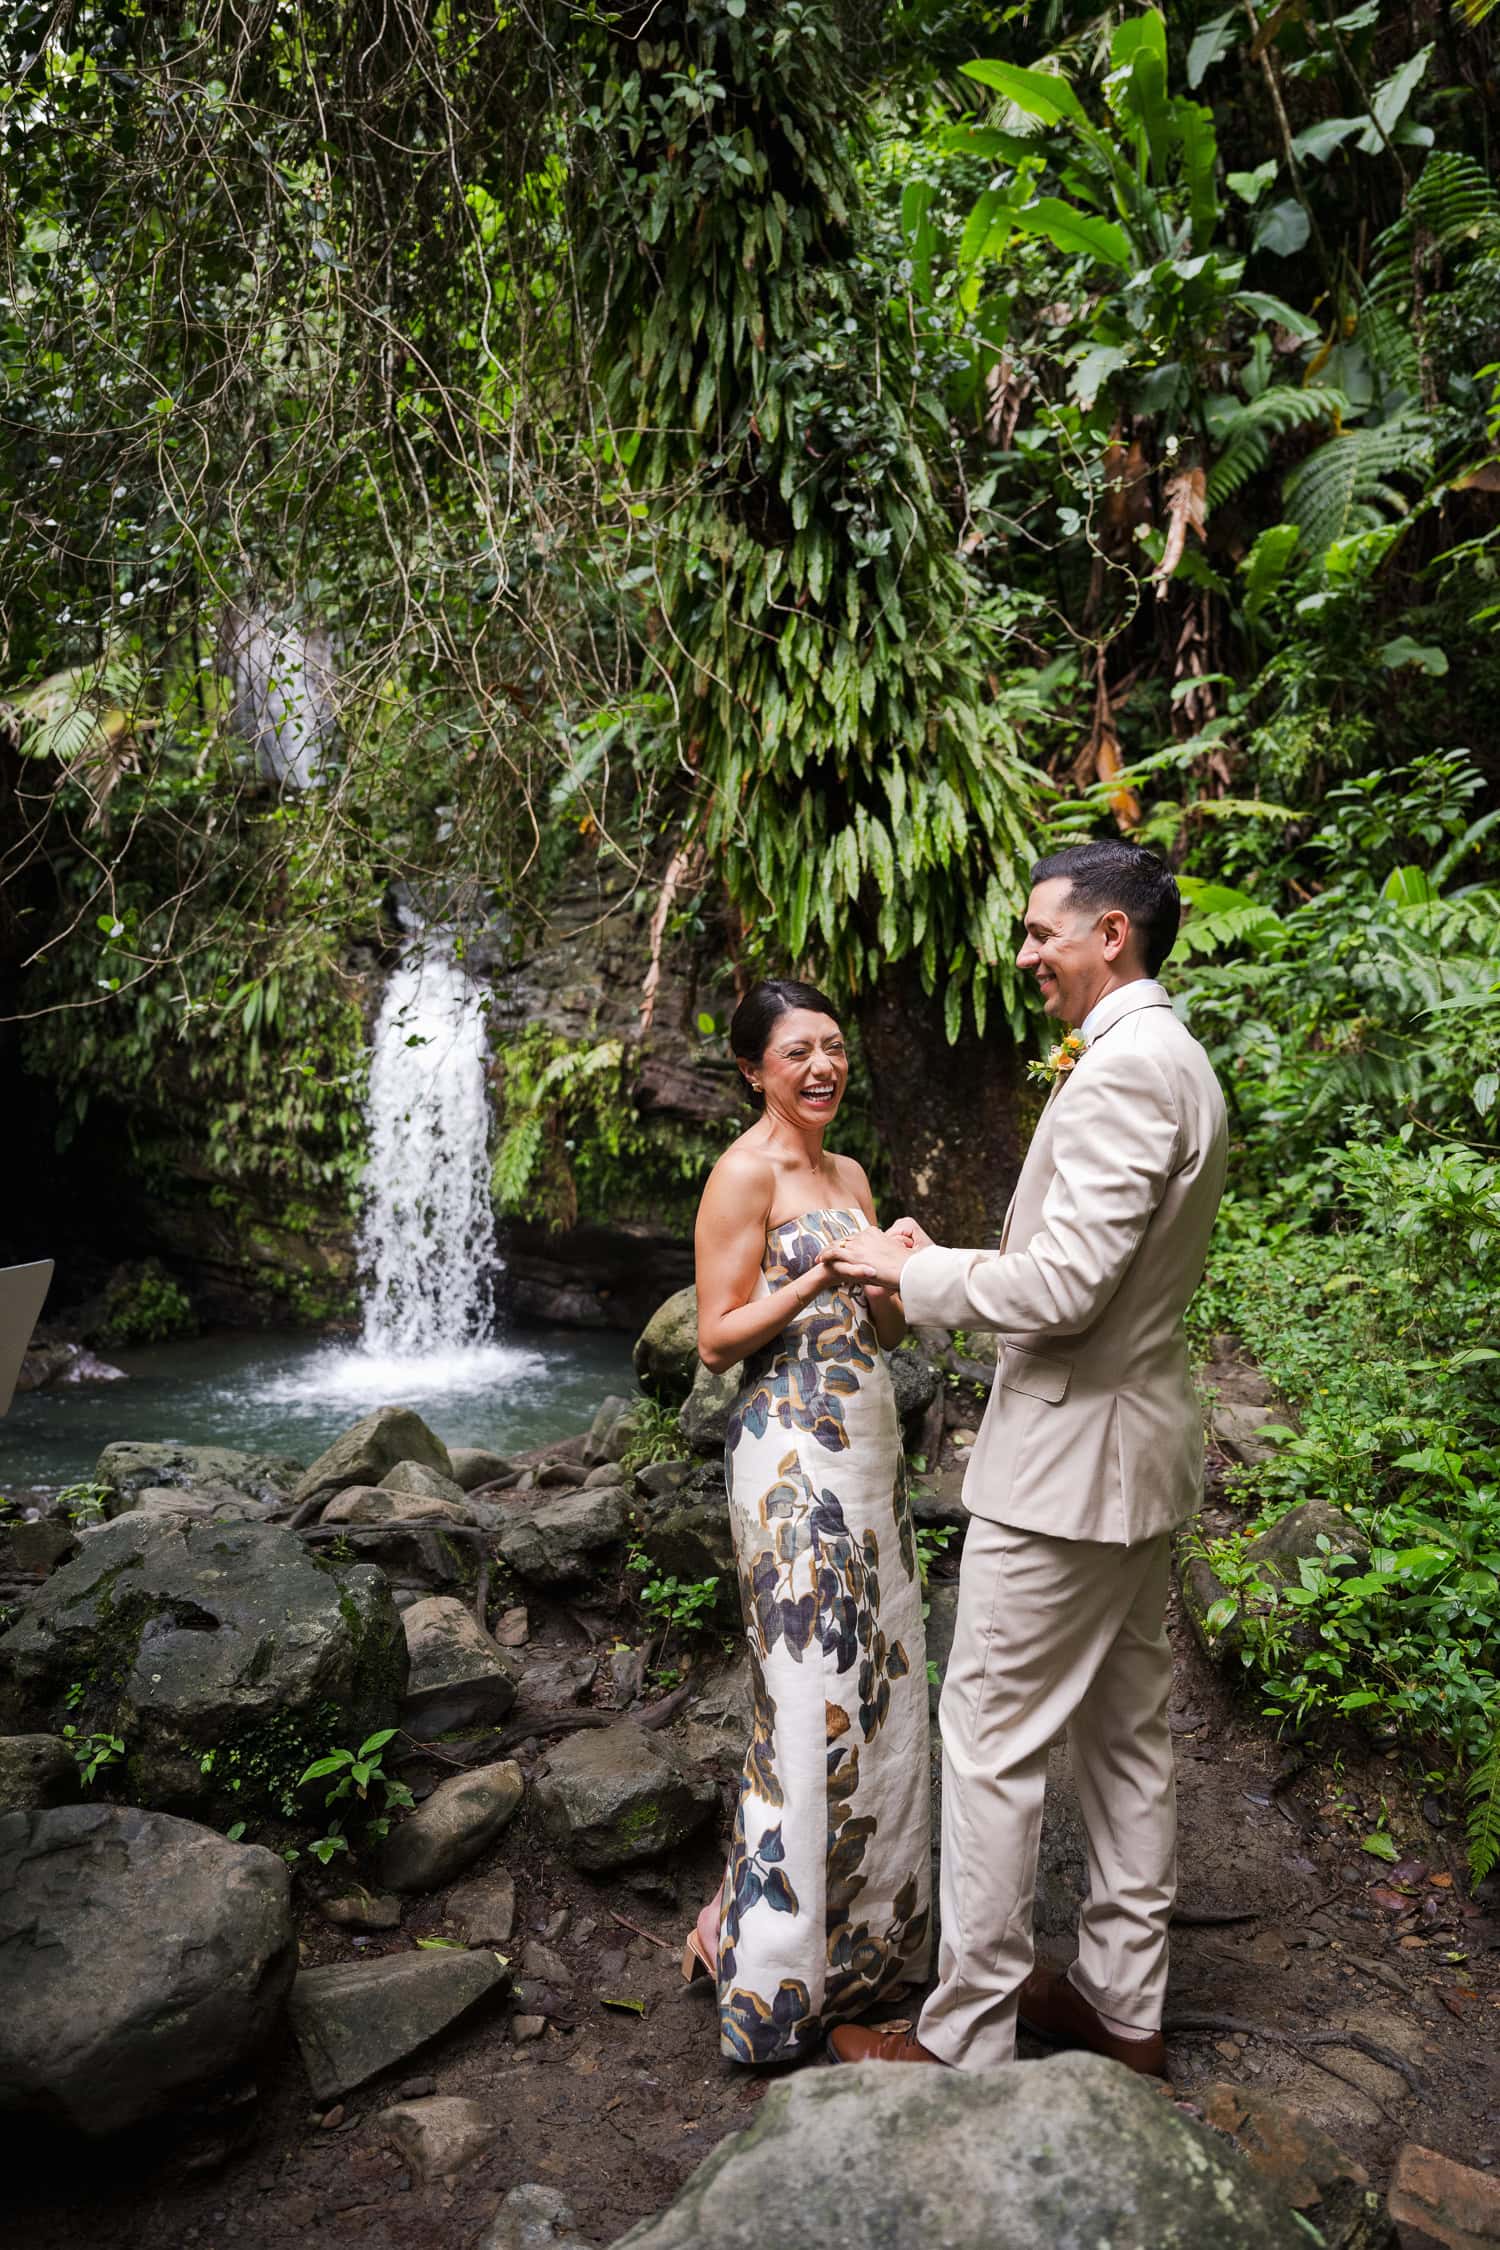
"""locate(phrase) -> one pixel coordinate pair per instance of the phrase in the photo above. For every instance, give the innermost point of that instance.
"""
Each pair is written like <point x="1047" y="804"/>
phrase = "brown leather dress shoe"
<point x="1055" y="2010"/>
<point x="853" y="2043"/>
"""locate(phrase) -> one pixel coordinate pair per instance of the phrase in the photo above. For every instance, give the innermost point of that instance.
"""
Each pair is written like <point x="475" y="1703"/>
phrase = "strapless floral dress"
<point x="827" y="1901"/>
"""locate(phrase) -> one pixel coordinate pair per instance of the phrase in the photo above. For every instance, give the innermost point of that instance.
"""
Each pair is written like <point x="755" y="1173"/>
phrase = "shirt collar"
<point x="1140" y="992"/>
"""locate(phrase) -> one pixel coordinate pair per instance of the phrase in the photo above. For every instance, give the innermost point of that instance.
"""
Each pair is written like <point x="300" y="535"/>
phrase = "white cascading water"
<point x="427" y="1238"/>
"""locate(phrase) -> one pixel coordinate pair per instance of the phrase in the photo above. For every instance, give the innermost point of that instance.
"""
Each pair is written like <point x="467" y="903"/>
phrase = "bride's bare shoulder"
<point x="744" y="1177"/>
<point x="855" y="1182"/>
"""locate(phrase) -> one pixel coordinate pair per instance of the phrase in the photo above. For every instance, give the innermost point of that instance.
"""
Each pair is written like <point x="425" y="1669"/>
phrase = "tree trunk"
<point x="954" y="1120"/>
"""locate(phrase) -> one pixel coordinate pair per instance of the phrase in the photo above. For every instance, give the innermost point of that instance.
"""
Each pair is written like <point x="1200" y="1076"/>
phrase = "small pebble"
<point x="417" y="2089"/>
<point x="332" y="2117"/>
<point x="523" y="2028"/>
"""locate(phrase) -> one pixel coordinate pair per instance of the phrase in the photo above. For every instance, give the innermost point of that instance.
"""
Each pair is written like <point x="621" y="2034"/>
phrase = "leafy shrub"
<point x="146" y="1306"/>
<point x="1374" y="1333"/>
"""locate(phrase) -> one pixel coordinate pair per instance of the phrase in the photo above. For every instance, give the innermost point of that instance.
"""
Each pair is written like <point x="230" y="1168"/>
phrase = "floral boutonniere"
<point x="1060" y="1061"/>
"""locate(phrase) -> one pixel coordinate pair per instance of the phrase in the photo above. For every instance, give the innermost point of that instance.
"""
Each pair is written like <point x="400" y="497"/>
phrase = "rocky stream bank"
<point x="430" y="1995"/>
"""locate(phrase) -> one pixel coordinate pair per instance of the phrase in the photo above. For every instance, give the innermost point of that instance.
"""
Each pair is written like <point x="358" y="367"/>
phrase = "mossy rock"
<point x="615" y="1797"/>
<point x="666" y="1351"/>
<point x="218" y="1653"/>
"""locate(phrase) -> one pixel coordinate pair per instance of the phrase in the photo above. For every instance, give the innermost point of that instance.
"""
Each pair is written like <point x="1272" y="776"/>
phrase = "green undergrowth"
<point x="1377" y="1334"/>
<point x="573" y="1145"/>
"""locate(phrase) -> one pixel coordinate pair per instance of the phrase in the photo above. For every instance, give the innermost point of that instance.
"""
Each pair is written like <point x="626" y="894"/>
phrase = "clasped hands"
<point x="876" y="1256"/>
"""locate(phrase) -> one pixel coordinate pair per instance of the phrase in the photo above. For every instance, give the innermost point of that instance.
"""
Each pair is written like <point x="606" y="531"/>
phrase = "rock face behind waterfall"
<point x="1069" y="2152"/>
<point x="193" y="1641"/>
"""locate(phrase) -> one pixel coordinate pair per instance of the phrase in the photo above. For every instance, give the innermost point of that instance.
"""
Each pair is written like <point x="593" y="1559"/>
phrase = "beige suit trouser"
<point x="1053" y="1634"/>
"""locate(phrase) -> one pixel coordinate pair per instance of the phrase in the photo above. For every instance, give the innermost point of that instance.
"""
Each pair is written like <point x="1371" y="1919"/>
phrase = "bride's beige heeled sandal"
<point x="697" y="1960"/>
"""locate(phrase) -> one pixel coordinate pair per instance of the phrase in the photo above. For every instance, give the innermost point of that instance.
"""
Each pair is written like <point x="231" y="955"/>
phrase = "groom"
<point x="1090" y="1452"/>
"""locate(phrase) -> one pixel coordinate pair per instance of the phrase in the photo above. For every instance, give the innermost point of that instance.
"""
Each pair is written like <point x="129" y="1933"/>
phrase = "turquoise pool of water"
<point x="292" y="1394"/>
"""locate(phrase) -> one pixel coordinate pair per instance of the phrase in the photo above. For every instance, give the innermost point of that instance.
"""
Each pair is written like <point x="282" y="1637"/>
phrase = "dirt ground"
<point x="1363" y="1993"/>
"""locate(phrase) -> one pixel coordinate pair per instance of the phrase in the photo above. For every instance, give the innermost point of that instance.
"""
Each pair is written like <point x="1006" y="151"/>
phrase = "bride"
<point x="824" y="1907"/>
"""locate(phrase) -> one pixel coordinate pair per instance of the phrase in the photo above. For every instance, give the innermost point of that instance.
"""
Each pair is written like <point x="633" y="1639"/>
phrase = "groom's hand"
<point x="911" y="1232"/>
<point x="870" y="1256"/>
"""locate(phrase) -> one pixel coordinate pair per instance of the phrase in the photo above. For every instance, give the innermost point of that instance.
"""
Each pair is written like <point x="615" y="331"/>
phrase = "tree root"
<point x="1305" y="2042"/>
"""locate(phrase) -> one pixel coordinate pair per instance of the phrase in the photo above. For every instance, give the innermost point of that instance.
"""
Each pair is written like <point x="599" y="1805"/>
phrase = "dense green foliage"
<point x="809" y="454"/>
<point x="1358" y="1258"/>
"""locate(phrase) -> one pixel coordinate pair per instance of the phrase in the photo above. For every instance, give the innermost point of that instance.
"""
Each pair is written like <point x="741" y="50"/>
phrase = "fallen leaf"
<point x="1441" y="1882"/>
<point x="623" y="2003"/>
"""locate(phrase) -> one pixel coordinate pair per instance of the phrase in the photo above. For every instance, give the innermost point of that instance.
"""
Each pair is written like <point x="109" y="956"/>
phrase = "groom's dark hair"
<point x="1128" y="878"/>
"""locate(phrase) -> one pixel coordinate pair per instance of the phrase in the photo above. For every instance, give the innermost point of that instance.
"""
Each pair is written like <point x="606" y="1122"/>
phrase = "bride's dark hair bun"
<point x="753" y="1020"/>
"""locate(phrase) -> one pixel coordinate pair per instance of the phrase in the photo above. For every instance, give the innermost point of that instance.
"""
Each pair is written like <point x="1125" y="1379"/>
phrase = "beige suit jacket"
<point x="1093" y="1429"/>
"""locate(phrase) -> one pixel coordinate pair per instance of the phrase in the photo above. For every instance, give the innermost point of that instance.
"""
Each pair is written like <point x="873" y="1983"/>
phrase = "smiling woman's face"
<point x="804" y="1069"/>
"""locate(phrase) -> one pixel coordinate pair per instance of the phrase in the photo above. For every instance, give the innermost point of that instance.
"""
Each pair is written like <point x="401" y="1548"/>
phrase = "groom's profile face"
<point x="1067" y="949"/>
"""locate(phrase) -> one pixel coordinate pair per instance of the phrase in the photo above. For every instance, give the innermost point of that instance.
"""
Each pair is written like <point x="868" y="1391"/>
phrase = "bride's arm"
<point x="731" y="1243"/>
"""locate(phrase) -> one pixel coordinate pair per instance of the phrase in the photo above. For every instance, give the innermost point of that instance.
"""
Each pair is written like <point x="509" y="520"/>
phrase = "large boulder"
<point x="456" y="1678"/>
<point x="143" y="1959"/>
<point x="363" y="1455"/>
<point x="704" y="1414"/>
<point x="356" y="2018"/>
<point x="221" y="1653"/>
<point x="1072" y="2152"/>
<point x="245" y="1484"/>
<point x="616" y="1796"/>
<point x="447" y="1833"/>
<point x="666" y="1351"/>
<point x="556" y="1537"/>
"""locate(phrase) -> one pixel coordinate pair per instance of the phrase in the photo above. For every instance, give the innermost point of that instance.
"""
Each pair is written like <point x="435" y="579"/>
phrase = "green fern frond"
<point x="1454" y="205"/>
<point x="1264" y="419"/>
<point x="1219" y="916"/>
<point x="515" y="1162"/>
<point x="1344" y="487"/>
<point x="1484" y="1812"/>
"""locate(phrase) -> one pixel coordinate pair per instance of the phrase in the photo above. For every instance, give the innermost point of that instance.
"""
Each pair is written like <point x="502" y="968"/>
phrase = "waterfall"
<point x="427" y="1238"/>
